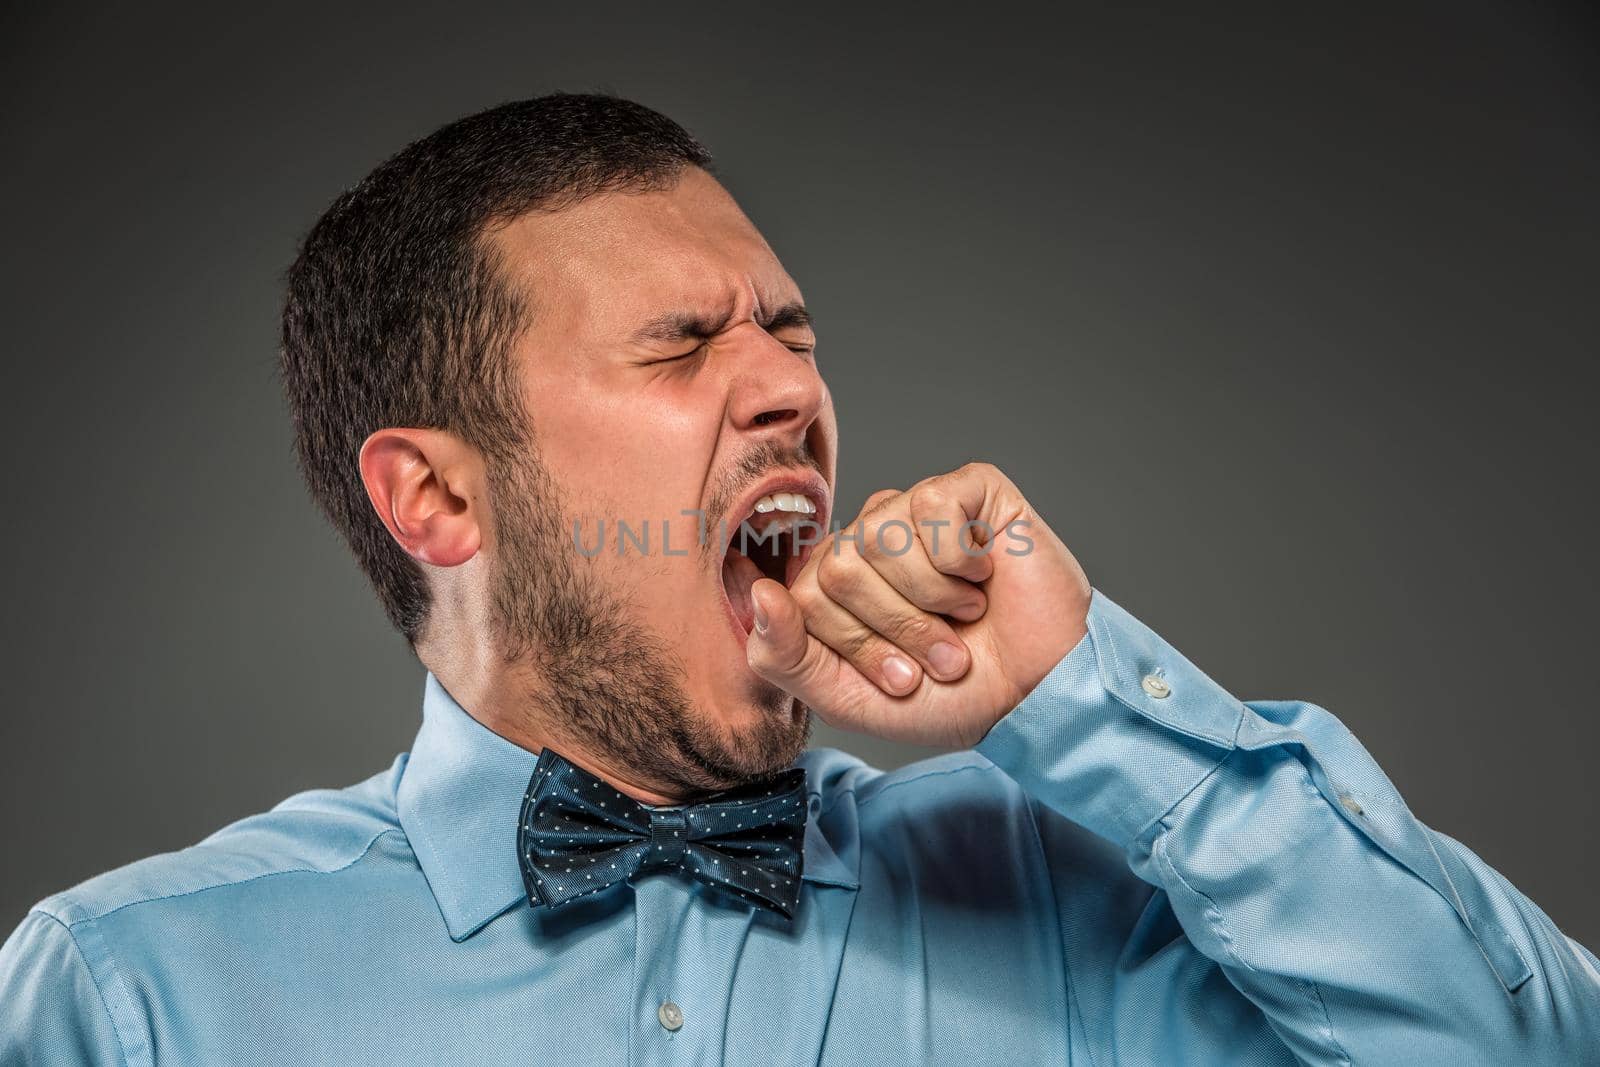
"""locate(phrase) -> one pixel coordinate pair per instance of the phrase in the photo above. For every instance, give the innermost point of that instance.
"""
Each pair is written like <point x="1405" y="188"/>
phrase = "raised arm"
<point x="1293" y="864"/>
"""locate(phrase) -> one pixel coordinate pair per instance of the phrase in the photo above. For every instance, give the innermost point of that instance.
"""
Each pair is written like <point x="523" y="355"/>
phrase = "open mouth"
<point x="772" y="541"/>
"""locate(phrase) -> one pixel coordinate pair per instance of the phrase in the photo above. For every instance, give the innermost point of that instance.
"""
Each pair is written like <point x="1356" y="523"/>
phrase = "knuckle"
<point x="915" y="631"/>
<point x="887" y="539"/>
<point x="945" y="597"/>
<point x="837" y="576"/>
<point x="868" y="547"/>
<point x="864" y="648"/>
<point x="808" y="596"/>
<point x="929" y="498"/>
<point x="842" y="543"/>
<point x="804" y="590"/>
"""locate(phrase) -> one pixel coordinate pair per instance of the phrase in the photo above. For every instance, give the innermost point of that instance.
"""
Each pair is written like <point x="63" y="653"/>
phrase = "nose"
<point x="775" y="391"/>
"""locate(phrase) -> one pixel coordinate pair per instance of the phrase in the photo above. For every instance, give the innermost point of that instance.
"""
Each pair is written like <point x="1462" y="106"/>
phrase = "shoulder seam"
<point x="105" y="1006"/>
<point x="95" y="917"/>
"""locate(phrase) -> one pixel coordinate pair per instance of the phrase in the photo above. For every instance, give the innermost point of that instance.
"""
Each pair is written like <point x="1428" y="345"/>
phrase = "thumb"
<point x="781" y="651"/>
<point x="777" y="645"/>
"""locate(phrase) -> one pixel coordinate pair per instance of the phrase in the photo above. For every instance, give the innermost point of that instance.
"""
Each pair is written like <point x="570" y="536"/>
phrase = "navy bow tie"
<point x="577" y="835"/>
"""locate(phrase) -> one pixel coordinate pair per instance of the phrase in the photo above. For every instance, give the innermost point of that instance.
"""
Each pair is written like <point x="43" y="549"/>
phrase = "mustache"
<point x="751" y="466"/>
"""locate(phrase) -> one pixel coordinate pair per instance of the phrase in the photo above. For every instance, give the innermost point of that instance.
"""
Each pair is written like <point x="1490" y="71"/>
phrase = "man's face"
<point x="669" y="372"/>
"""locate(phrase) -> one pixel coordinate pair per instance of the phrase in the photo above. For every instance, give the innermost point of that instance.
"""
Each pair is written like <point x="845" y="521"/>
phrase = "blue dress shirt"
<point x="1132" y="867"/>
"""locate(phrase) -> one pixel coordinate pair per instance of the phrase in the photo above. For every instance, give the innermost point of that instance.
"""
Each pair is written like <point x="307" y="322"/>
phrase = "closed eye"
<point x="695" y="351"/>
<point x="800" y="342"/>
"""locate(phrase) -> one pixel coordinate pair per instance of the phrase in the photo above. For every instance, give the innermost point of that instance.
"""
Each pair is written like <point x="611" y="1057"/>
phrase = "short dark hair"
<point x="397" y="313"/>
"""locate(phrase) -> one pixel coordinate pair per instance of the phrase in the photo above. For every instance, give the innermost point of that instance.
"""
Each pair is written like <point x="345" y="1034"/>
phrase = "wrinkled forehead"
<point x="598" y="268"/>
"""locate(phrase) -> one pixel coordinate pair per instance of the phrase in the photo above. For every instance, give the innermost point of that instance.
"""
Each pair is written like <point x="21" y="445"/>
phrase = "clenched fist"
<point x="927" y="618"/>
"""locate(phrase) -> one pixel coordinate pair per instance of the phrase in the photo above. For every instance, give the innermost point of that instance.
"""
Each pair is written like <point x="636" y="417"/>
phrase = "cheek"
<point x="679" y="412"/>
<point x="657" y="451"/>
<point x="667" y="591"/>
<point x="624" y="424"/>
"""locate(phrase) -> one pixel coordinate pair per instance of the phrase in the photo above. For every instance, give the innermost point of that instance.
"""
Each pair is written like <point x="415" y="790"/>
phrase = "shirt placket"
<point x="686" y="950"/>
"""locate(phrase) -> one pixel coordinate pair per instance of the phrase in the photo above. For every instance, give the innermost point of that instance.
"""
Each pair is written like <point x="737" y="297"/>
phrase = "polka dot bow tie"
<point x="577" y="836"/>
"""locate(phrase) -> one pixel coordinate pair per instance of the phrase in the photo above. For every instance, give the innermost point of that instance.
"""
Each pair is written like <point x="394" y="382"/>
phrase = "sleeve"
<point x="51" y="1011"/>
<point x="1293" y="866"/>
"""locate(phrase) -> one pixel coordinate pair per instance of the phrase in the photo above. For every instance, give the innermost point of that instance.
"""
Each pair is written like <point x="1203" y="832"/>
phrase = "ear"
<point x="426" y="486"/>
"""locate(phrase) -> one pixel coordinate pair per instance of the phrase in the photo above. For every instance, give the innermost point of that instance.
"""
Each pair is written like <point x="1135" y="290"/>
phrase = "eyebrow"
<point x="684" y="325"/>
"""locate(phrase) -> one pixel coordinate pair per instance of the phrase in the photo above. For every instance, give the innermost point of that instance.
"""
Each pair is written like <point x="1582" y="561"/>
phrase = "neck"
<point x="507" y="704"/>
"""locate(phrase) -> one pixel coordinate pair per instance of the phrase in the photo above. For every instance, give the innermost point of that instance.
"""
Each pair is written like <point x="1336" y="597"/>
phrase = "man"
<point x="562" y="400"/>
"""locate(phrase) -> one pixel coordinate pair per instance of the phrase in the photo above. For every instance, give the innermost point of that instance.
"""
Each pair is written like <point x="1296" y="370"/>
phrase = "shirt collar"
<point x="458" y="802"/>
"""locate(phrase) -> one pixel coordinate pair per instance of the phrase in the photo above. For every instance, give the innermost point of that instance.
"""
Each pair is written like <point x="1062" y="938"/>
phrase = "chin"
<point x="743" y="701"/>
<point x="759" y="728"/>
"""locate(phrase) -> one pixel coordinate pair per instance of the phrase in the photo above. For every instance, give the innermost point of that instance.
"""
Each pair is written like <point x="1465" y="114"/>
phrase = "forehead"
<point x="611" y="260"/>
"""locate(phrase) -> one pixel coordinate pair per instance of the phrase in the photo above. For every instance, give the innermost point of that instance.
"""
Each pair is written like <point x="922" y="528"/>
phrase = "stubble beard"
<point x="601" y="679"/>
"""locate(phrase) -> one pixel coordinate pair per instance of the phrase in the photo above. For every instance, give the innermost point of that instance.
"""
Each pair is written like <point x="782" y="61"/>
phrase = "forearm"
<point x="1290" y="861"/>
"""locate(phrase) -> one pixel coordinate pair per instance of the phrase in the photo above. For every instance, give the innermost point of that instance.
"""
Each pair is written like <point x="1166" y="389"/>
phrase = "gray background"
<point x="1287" y="323"/>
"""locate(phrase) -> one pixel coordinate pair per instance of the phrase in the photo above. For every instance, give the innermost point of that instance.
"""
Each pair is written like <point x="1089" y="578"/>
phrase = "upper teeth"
<point x="798" y="503"/>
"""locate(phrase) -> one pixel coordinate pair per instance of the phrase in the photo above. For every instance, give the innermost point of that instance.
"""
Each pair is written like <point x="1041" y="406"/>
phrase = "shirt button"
<point x="670" y="1014"/>
<point x="1156" y="686"/>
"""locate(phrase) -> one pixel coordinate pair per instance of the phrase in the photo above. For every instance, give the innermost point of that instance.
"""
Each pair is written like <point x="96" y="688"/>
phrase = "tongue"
<point x="739" y="573"/>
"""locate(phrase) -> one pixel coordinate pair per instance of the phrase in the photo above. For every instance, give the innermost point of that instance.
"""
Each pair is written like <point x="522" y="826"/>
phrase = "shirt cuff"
<point x="1119" y="731"/>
